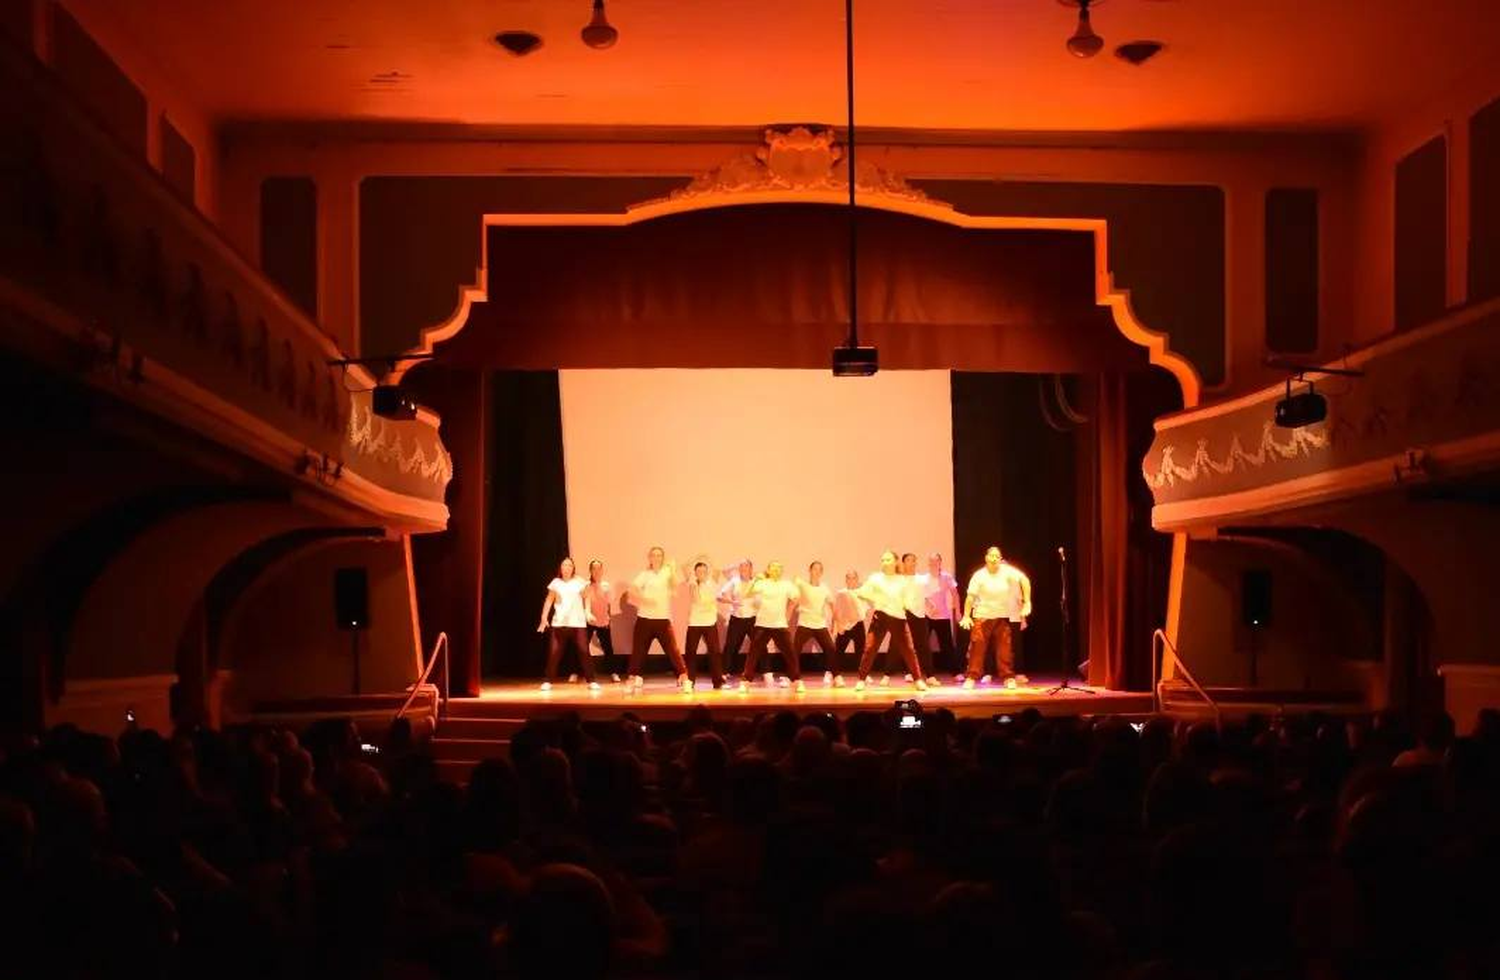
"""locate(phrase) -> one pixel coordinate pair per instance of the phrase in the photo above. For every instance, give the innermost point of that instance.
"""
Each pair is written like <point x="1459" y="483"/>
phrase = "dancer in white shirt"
<point x="814" y="602"/>
<point x="703" y="623"/>
<point x="651" y="590"/>
<point x="565" y="602"/>
<point x="941" y="592"/>
<point x="999" y="599"/>
<point x="599" y="606"/>
<point x="775" y="597"/>
<point x="916" y="615"/>
<point x="850" y="616"/>
<point x="886" y="591"/>
<point x="736" y="592"/>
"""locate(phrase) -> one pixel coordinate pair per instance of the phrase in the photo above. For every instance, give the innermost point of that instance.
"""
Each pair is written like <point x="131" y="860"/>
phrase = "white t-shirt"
<point x="737" y="593"/>
<point x="653" y="592"/>
<point x="849" y="610"/>
<point x="1004" y="594"/>
<point x="567" y="606"/>
<point x="916" y="594"/>
<point x="597" y="599"/>
<point x="939" y="588"/>
<point x="773" y="596"/>
<point x="887" y="593"/>
<point x="703" y="608"/>
<point x="811" y="602"/>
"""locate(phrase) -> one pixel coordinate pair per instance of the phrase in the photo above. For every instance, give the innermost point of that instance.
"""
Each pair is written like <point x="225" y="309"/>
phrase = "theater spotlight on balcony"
<point x="1304" y="408"/>
<point x="390" y="402"/>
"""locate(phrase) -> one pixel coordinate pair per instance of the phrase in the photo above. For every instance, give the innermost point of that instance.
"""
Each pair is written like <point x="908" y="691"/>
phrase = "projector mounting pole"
<point x="853" y="338"/>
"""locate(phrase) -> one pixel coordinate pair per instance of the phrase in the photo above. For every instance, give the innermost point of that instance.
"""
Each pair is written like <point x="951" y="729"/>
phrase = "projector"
<point x="390" y="402"/>
<point x="855" y="362"/>
<point x="1303" y="408"/>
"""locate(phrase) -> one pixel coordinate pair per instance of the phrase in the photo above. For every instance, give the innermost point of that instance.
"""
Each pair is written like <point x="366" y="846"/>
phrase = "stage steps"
<point x="1181" y="701"/>
<point x="470" y="731"/>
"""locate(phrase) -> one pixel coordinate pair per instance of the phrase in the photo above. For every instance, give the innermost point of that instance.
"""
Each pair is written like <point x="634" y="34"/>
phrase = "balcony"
<point x="1427" y="409"/>
<point x="108" y="277"/>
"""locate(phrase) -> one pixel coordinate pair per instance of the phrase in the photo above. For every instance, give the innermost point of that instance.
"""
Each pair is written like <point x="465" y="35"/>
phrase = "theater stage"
<point x="661" y="700"/>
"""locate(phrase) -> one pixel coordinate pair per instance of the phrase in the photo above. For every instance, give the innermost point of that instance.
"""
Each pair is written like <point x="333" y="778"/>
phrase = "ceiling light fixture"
<point x="850" y="360"/>
<point x="598" y="33"/>
<point x="1084" y="43"/>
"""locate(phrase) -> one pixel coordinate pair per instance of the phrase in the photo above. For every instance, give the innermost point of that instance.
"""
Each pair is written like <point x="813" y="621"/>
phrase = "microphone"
<point x="1061" y="554"/>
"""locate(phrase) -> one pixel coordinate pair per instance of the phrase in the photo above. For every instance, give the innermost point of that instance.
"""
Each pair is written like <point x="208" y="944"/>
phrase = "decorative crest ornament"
<point x="798" y="158"/>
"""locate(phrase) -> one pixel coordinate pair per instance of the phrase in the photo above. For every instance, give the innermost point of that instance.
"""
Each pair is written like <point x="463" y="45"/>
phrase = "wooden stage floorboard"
<point x="661" y="701"/>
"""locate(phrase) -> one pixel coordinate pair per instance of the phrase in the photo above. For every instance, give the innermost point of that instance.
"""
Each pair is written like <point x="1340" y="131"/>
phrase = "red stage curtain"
<point x="765" y="286"/>
<point x="1104" y="511"/>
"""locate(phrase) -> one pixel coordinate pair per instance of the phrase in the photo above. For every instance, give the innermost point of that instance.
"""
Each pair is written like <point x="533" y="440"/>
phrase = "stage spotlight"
<point x="1303" y="408"/>
<point x="855" y="361"/>
<point x="390" y="402"/>
<point x="599" y="33"/>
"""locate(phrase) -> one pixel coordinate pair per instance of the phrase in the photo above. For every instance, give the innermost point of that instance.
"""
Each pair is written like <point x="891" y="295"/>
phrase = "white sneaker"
<point x="546" y="686"/>
<point x="615" y="678"/>
<point x="885" y="680"/>
<point x="770" y="679"/>
<point x="638" y="682"/>
<point x="801" y="688"/>
<point x="859" y="685"/>
<point x="572" y="678"/>
<point x="594" y="686"/>
<point x="968" y="683"/>
<point x="959" y="678"/>
<point x="686" y="683"/>
<point x="934" y="682"/>
<point x="921" y="685"/>
<point x="906" y="677"/>
<point x="827" y="678"/>
<point x="985" y="679"/>
<point x="744" y="687"/>
<point x="1023" y="680"/>
<point x="838" y="680"/>
<point x="1010" y="683"/>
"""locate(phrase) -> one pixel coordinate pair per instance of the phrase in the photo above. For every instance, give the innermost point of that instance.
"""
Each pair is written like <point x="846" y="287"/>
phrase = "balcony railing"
<point x="104" y="269"/>
<point x="1427" y="407"/>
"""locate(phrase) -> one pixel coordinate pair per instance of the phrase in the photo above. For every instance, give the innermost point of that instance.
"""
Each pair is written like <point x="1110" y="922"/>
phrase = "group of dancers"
<point x="899" y="603"/>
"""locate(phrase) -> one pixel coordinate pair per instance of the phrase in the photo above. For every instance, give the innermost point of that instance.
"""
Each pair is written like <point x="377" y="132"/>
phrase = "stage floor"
<point x="660" y="699"/>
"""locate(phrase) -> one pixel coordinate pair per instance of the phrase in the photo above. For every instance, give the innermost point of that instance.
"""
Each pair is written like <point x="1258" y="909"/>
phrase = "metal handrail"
<point x="439" y="649"/>
<point x="1159" y="636"/>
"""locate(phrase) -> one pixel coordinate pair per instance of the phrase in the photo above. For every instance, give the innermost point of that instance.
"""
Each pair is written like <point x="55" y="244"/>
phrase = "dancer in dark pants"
<point x="916" y="615"/>
<point x="998" y="601"/>
<point x="598" y="606"/>
<point x="886" y="591"/>
<point x="703" y="624"/>
<point x="565" y="604"/>
<point x="850" y="614"/>
<point x="814" y="602"/>
<point x="940" y="590"/>
<point x="774" y="598"/>
<point x="651" y="590"/>
<point x="735" y="592"/>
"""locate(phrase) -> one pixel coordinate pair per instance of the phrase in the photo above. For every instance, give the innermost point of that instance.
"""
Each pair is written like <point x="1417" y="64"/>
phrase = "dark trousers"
<point x="854" y="637"/>
<point x="606" y="647"/>
<point x="918" y="626"/>
<point x="884" y="625"/>
<point x="573" y="636"/>
<point x="739" y="630"/>
<point x="660" y="631"/>
<point x="709" y="635"/>
<point x="947" y="652"/>
<point x="824" y="642"/>
<point x="759" y="639"/>
<point x="985" y="634"/>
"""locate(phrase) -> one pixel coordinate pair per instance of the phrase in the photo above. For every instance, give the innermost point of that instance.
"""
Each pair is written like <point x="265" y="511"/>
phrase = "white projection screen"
<point x="758" y="463"/>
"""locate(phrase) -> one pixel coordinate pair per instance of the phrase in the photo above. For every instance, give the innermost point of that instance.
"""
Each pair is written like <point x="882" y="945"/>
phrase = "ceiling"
<point x="922" y="64"/>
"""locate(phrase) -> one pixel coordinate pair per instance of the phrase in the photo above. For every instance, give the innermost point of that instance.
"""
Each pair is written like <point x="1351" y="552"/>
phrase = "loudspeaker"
<point x="351" y="598"/>
<point x="1255" y="597"/>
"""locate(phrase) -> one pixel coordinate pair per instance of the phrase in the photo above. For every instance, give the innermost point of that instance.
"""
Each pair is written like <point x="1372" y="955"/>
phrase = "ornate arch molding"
<point x="803" y="165"/>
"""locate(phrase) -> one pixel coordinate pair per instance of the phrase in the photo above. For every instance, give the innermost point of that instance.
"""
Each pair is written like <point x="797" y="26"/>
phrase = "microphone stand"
<point x="1062" y="603"/>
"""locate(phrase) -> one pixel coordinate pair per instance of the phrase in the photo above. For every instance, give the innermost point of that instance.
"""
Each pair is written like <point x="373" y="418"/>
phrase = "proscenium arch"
<point x="1156" y="343"/>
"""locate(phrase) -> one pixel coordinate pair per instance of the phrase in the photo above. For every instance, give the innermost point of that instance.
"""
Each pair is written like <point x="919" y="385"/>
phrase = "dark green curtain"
<point x="526" y="521"/>
<point x="1014" y="485"/>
